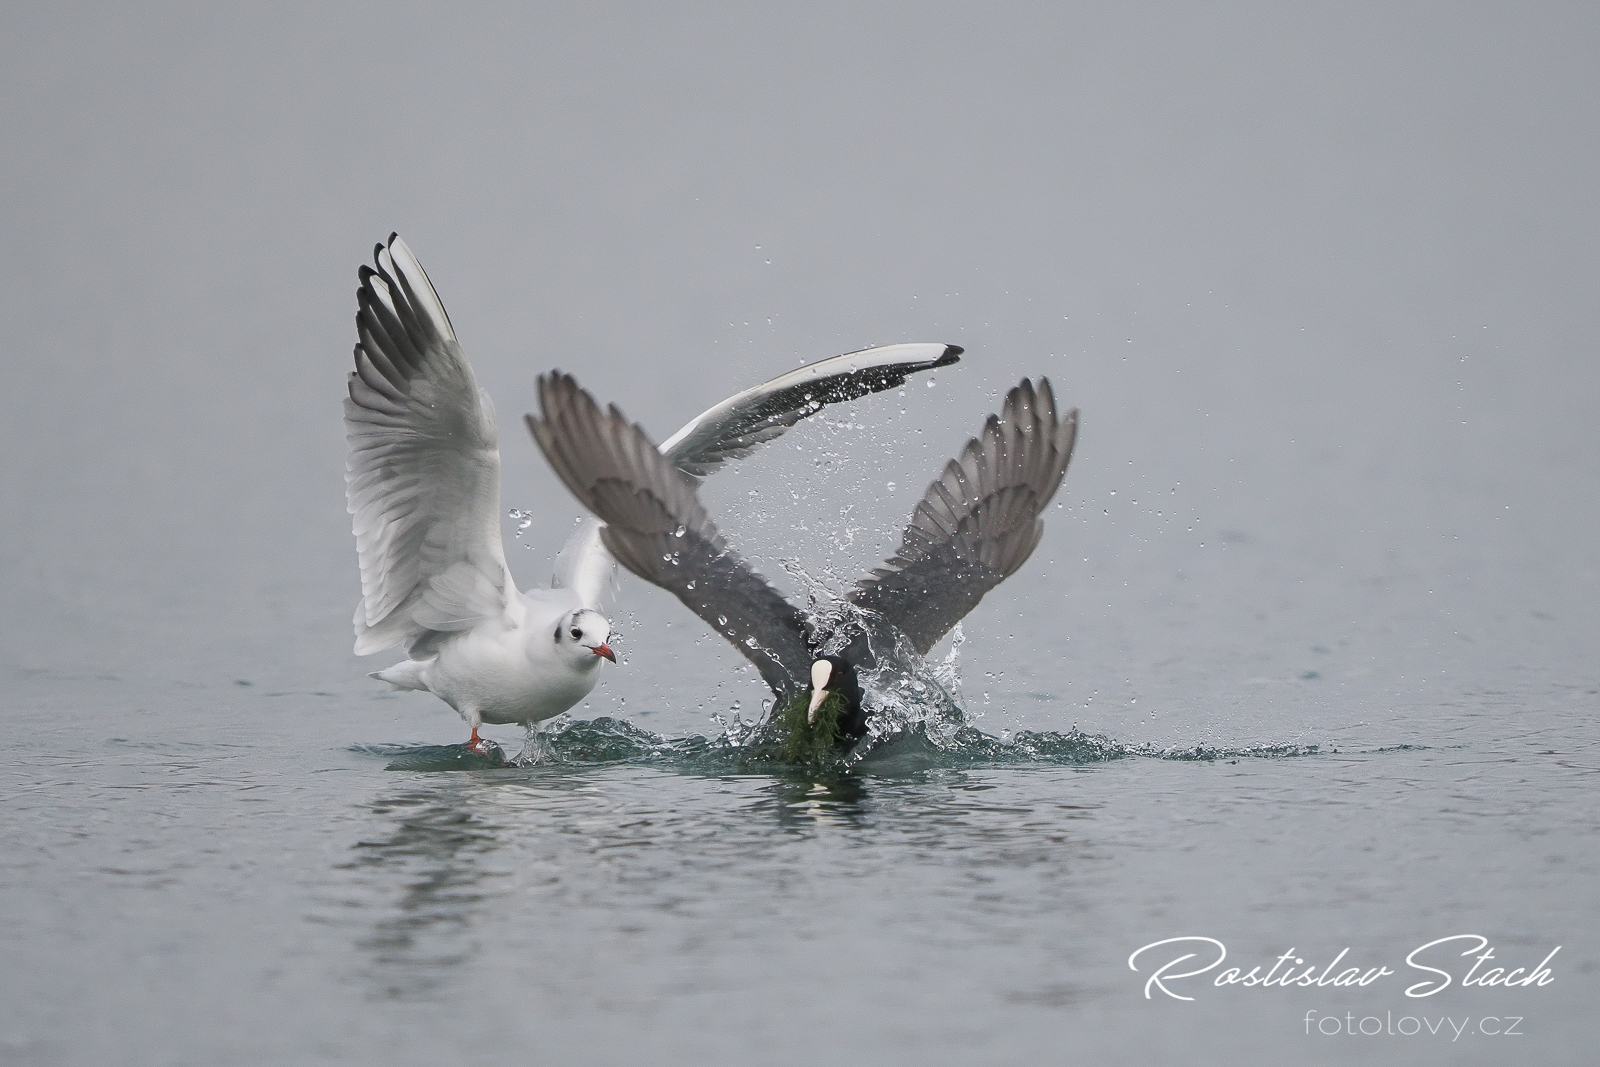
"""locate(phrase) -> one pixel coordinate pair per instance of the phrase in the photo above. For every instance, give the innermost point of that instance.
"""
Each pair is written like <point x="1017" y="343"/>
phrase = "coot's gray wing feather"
<point x="422" y="480"/>
<point x="740" y="424"/>
<point x="977" y="524"/>
<point x="658" y="529"/>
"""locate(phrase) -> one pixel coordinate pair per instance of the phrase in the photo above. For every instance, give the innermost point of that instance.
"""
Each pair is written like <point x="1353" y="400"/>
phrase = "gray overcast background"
<point x="1322" y="279"/>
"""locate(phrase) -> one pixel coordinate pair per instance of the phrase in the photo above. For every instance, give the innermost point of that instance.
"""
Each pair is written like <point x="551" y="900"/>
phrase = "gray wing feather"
<point x="740" y="424"/>
<point x="977" y="524"/>
<point x="658" y="529"/>
<point x="422" y="480"/>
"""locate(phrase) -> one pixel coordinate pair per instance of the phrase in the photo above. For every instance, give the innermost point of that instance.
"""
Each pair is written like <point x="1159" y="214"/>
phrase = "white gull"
<point x="423" y="487"/>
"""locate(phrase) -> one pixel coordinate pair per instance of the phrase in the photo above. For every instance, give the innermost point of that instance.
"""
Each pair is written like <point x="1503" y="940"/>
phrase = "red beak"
<point x="603" y="650"/>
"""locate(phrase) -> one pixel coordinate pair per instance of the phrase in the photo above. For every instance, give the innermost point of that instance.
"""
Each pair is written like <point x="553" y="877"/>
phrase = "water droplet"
<point x="722" y="620"/>
<point x="523" y="519"/>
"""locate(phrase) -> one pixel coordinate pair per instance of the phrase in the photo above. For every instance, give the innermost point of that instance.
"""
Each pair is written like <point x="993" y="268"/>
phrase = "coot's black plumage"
<point x="839" y="677"/>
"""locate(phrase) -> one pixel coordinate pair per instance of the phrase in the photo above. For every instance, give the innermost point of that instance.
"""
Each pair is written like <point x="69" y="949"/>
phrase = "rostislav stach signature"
<point x="1174" y="961"/>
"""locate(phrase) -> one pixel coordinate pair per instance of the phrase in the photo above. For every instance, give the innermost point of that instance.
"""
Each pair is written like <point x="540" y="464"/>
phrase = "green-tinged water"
<point x="593" y="742"/>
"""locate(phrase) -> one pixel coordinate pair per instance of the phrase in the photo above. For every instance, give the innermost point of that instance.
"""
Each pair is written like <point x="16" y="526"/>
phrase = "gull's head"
<point x="582" y="638"/>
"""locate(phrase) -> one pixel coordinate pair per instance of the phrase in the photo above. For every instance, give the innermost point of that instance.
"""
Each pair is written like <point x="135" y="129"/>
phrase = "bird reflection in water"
<point x="437" y="853"/>
<point x="801" y="802"/>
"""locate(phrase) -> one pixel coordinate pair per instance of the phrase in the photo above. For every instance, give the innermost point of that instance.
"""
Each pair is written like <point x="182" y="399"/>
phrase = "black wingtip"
<point x="951" y="354"/>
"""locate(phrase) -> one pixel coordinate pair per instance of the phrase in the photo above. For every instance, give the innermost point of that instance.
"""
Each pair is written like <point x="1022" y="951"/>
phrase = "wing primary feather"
<point x="976" y="525"/>
<point x="423" y="468"/>
<point x="421" y="291"/>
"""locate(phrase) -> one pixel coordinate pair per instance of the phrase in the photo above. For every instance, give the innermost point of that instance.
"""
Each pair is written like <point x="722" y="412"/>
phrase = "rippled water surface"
<point x="220" y="884"/>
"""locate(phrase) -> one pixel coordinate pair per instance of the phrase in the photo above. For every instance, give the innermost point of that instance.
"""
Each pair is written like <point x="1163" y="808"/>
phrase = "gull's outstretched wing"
<point x="740" y="424"/>
<point x="584" y="566"/>
<point x="977" y="524"/>
<point x="423" y="477"/>
<point x="657" y="528"/>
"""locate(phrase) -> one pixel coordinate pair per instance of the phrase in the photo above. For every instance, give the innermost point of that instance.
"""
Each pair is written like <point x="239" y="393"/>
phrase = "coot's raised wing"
<point x="747" y="420"/>
<point x="978" y="523"/>
<point x="423" y="476"/>
<point x="658" y="529"/>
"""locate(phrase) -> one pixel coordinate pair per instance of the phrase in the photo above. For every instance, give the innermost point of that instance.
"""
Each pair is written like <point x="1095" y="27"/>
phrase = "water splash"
<point x="742" y="749"/>
<point x="536" y="747"/>
<point x="523" y="519"/>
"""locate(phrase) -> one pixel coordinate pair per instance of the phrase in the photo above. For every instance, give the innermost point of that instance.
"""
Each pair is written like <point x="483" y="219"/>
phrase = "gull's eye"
<point x="576" y="634"/>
